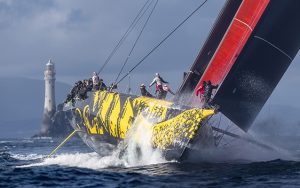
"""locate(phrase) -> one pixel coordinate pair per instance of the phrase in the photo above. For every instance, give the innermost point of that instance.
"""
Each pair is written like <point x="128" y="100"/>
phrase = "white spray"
<point x="139" y="150"/>
<point x="135" y="150"/>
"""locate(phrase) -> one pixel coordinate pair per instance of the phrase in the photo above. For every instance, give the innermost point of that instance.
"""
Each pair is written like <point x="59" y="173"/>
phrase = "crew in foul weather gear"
<point x="102" y="85"/>
<point x="208" y="93"/>
<point x="98" y="83"/>
<point x="200" y="91"/>
<point x="158" y="80"/>
<point x="89" y="85"/>
<point x="74" y="91"/>
<point x="96" y="80"/>
<point x="80" y="90"/>
<point x="144" y="92"/>
<point x="82" y="94"/>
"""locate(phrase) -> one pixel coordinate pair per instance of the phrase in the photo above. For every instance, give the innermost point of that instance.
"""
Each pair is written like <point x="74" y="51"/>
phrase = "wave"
<point x="16" y="141"/>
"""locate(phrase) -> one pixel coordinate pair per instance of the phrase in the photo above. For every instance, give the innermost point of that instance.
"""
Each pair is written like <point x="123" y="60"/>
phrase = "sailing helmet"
<point x="157" y="74"/>
<point x="142" y="86"/>
<point x="94" y="74"/>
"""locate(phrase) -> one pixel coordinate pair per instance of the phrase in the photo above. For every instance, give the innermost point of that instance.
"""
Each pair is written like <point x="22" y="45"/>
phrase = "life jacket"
<point x="200" y="90"/>
<point x="158" y="87"/>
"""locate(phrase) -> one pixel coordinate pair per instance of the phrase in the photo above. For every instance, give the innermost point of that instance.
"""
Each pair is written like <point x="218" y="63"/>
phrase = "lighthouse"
<point x="49" y="105"/>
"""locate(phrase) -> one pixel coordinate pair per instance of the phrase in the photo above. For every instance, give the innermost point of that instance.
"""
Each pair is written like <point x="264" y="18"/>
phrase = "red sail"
<point x="239" y="31"/>
<point x="209" y="48"/>
<point x="264" y="59"/>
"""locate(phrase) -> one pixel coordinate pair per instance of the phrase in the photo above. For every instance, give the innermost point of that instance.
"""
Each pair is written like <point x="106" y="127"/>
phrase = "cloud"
<point x="78" y="35"/>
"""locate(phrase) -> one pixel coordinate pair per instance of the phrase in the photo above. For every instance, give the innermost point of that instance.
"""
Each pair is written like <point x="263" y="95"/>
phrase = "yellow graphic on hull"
<point x="113" y="114"/>
<point x="179" y="129"/>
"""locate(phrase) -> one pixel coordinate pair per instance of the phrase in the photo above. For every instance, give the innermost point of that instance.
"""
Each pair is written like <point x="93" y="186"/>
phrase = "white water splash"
<point x="136" y="150"/>
<point x="80" y="160"/>
<point x="27" y="157"/>
<point x="139" y="149"/>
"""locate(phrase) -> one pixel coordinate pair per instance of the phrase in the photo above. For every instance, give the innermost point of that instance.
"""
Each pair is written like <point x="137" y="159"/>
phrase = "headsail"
<point x="234" y="40"/>
<point x="255" y="49"/>
<point x="268" y="53"/>
<point x="213" y="40"/>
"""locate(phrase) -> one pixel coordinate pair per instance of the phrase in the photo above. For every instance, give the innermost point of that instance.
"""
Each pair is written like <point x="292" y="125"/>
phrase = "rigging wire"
<point x="128" y="90"/>
<point x="140" y="14"/>
<point x="162" y="41"/>
<point x="137" y="39"/>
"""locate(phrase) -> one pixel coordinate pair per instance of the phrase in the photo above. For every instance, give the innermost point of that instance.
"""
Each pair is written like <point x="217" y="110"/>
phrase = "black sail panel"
<point x="216" y="34"/>
<point x="268" y="53"/>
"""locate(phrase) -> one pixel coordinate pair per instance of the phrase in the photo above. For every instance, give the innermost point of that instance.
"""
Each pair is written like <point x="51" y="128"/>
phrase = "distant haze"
<point x="22" y="102"/>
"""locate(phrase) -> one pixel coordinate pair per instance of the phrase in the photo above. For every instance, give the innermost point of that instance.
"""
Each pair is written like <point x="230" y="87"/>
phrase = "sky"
<point x="78" y="36"/>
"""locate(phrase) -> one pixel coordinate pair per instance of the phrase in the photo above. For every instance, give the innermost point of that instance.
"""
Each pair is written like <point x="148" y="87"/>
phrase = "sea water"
<point x="24" y="163"/>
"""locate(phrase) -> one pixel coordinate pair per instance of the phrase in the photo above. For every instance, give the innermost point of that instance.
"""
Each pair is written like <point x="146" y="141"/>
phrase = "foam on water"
<point x="27" y="157"/>
<point x="136" y="150"/>
<point x="80" y="160"/>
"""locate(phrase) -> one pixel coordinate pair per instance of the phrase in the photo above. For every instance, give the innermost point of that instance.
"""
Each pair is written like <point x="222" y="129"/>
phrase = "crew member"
<point x="96" y="80"/>
<point x="158" y="80"/>
<point x="200" y="91"/>
<point x="166" y="89"/>
<point x="83" y="90"/>
<point x="207" y="93"/>
<point x="144" y="92"/>
<point x="102" y="85"/>
<point x="74" y="91"/>
<point x="90" y="84"/>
